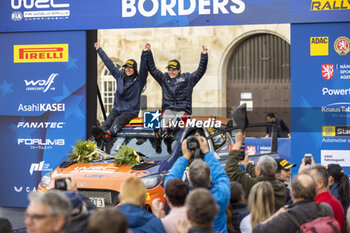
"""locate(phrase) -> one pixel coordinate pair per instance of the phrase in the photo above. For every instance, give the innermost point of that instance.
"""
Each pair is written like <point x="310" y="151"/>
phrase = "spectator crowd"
<point x="252" y="197"/>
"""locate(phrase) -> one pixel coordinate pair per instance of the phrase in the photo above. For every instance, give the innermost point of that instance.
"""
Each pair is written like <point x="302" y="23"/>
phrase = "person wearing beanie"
<point x="79" y="217"/>
<point x="338" y="183"/>
<point x="130" y="84"/>
<point x="177" y="88"/>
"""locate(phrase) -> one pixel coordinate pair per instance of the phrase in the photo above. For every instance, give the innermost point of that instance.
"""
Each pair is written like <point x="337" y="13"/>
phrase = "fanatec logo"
<point x="40" y="125"/>
<point x="41" y="85"/>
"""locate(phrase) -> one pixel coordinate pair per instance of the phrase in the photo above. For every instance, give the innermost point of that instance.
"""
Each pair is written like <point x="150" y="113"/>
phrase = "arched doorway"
<point x="258" y="73"/>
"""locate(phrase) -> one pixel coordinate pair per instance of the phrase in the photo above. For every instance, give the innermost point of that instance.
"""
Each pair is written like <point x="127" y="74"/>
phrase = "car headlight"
<point x="45" y="180"/>
<point x="152" y="181"/>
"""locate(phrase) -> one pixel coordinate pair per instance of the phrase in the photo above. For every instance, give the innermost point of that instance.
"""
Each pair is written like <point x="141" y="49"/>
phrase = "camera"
<point x="192" y="143"/>
<point x="242" y="150"/>
<point x="61" y="184"/>
<point x="307" y="159"/>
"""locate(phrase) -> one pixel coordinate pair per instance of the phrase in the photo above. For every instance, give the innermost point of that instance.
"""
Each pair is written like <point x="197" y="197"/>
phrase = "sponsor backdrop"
<point x="320" y="61"/>
<point x="25" y="15"/>
<point x="42" y="106"/>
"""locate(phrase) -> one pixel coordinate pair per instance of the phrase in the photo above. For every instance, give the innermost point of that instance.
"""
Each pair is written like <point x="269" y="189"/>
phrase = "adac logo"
<point x="342" y="45"/>
<point x="40" y="53"/>
<point x="329" y="5"/>
<point x="328" y="131"/>
<point x="327" y="71"/>
<point x="151" y="120"/>
<point x="319" y="46"/>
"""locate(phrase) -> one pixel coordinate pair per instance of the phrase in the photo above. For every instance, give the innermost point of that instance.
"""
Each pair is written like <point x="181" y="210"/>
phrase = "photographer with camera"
<point x="82" y="207"/>
<point x="69" y="184"/>
<point x="204" y="173"/>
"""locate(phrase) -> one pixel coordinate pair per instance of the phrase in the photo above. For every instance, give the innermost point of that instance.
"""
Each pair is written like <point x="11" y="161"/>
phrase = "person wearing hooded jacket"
<point x="130" y="84"/>
<point x="132" y="197"/>
<point x="177" y="87"/>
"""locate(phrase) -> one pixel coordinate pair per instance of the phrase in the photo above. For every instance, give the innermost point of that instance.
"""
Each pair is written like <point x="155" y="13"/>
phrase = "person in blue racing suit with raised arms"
<point x="177" y="88"/>
<point x="130" y="84"/>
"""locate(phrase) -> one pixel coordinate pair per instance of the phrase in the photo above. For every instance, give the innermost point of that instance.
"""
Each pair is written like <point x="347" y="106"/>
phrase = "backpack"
<point x="319" y="225"/>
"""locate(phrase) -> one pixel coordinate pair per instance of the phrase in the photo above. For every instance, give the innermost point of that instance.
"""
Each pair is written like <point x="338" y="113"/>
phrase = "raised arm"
<point x="108" y="62"/>
<point x="143" y="74"/>
<point x="198" y="74"/>
<point x="179" y="167"/>
<point x="156" y="74"/>
<point x="232" y="169"/>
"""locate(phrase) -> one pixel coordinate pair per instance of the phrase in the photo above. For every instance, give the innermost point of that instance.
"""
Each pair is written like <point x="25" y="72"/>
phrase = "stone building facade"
<point x="184" y="43"/>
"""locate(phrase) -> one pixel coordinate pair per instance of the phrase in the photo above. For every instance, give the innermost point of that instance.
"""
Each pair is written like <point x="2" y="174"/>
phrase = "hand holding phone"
<point x="307" y="159"/>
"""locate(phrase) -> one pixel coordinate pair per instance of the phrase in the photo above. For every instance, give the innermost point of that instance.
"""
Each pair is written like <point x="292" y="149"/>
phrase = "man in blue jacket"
<point x="132" y="197"/>
<point x="177" y="87"/>
<point x="207" y="174"/>
<point x="127" y="96"/>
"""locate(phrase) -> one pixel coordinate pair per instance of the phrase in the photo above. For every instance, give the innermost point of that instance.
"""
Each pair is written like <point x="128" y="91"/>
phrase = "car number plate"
<point x="99" y="202"/>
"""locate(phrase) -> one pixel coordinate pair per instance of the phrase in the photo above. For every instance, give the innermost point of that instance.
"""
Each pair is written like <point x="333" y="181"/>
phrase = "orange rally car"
<point x="100" y="180"/>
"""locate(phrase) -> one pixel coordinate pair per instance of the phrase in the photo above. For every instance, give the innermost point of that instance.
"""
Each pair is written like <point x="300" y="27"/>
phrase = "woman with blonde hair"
<point x="260" y="205"/>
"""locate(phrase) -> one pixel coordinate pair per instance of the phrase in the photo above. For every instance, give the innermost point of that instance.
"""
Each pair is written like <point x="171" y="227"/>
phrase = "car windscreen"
<point x="147" y="145"/>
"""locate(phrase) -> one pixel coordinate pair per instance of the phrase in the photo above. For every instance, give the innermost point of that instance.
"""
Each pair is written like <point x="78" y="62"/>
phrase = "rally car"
<point x="100" y="180"/>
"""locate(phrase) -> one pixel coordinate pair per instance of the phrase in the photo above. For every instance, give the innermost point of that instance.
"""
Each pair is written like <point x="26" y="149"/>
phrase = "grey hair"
<point x="267" y="165"/>
<point x="199" y="174"/>
<point x="57" y="202"/>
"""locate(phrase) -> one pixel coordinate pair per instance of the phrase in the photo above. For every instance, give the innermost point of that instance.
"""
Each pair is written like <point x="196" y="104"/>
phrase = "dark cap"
<point x="283" y="164"/>
<point x="76" y="201"/>
<point x="335" y="170"/>
<point x="131" y="63"/>
<point x="175" y="64"/>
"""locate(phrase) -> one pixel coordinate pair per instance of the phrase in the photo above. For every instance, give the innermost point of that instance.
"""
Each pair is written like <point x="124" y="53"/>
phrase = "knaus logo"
<point x="41" y="85"/>
<point x="36" y="167"/>
<point x="178" y="7"/>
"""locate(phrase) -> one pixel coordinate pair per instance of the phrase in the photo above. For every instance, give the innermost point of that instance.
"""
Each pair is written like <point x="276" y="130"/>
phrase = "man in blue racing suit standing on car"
<point x="177" y="88"/>
<point x="127" y="96"/>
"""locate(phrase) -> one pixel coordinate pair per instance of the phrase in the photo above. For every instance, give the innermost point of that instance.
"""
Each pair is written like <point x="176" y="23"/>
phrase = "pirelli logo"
<point x="40" y="53"/>
<point x="329" y="5"/>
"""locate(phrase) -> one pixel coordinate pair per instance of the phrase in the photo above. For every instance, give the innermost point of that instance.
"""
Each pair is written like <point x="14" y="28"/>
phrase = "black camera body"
<point x="192" y="143"/>
<point x="61" y="184"/>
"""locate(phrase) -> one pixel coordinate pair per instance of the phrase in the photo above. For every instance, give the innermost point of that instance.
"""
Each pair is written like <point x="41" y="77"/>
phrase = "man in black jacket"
<point x="177" y="87"/>
<point x="303" y="194"/>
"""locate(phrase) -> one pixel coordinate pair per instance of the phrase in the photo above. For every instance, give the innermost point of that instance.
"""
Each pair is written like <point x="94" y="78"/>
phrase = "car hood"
<point x="98" y="175"/>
